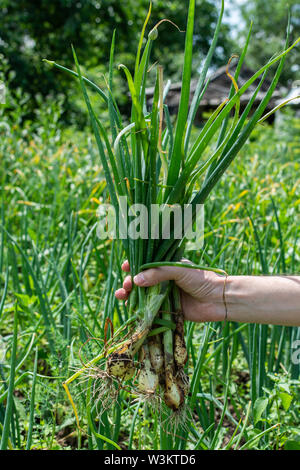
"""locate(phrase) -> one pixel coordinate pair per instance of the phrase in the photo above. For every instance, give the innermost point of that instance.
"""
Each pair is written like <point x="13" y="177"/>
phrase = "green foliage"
<point x="61" y="184"/>
<point x="62" y="279"/>
<point x="31" y="31"/>
<point x="270" y="20"/>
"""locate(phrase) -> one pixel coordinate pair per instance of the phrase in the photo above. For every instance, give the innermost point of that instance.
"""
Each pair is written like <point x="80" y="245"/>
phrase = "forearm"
<point x="263" y="299"/>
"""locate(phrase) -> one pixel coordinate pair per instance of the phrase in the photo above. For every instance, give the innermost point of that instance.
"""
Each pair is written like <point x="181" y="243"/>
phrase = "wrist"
<point x="231" y="296"/>
<point x="216" y="307"/>
<point x="234" y="296"/>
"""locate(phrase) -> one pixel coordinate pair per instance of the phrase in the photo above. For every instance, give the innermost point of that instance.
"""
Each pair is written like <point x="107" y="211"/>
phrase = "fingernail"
<point x="139" y="279"/>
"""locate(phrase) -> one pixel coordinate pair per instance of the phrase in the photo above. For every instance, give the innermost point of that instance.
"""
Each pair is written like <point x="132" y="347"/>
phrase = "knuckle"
<point x="151" y="275"/>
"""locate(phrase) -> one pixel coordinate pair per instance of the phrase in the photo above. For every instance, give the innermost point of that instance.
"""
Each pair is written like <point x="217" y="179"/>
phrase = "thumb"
<point x="153" y="276"/>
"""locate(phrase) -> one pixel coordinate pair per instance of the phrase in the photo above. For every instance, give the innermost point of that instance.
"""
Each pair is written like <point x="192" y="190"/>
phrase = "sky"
<point x="232" y="15"/>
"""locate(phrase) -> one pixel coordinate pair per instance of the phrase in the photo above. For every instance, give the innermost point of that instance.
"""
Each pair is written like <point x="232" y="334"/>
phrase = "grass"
<point x="55" y="268"/>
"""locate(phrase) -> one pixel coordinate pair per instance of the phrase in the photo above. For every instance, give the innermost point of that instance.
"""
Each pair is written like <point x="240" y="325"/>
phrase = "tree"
<point x="269" y="32"/>
<point x="36" y="29"/>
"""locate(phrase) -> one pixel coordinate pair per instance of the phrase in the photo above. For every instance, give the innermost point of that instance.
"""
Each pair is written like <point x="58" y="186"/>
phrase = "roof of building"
<point x="217" y="90"/>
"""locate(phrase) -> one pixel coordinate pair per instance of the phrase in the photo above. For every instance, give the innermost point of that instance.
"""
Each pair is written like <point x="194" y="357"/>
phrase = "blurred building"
<point x="217" y="91"/>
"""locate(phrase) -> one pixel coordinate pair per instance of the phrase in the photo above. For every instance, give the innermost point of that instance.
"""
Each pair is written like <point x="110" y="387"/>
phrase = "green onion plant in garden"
<point x="153" y="161"/>
<point x="137" y="376"/>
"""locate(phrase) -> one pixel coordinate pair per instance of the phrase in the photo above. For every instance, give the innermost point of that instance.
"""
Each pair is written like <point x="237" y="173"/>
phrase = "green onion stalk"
<point x="153" y="161"/>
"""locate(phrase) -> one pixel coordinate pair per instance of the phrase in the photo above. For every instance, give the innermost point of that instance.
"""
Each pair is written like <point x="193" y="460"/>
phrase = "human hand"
<point x="201" y="291"/>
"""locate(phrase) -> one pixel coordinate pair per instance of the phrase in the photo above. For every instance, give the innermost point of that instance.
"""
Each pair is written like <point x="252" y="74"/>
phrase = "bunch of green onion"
<point x="152" y="161"/>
